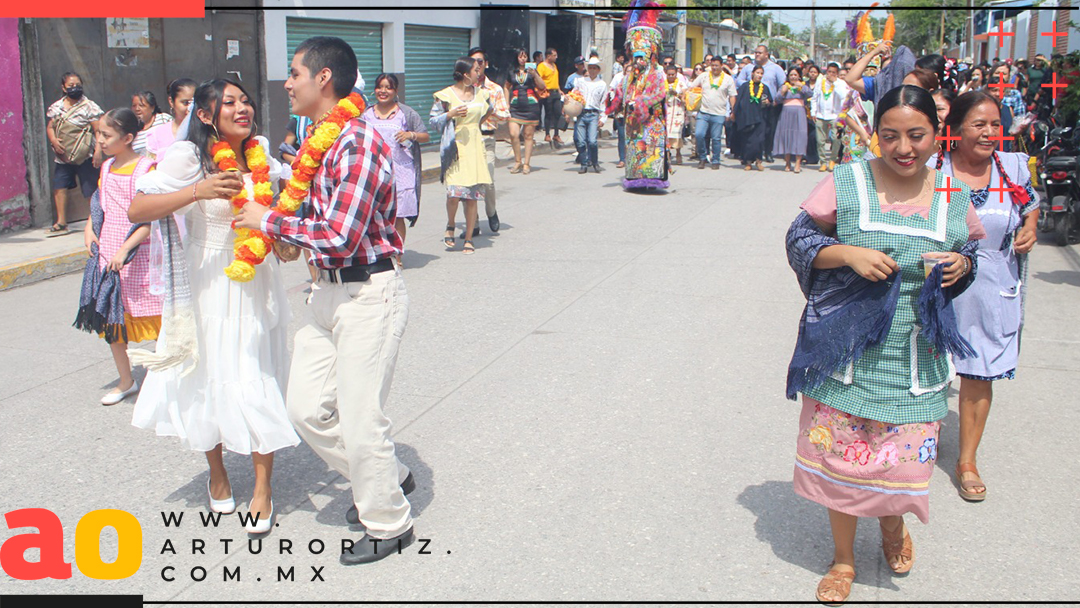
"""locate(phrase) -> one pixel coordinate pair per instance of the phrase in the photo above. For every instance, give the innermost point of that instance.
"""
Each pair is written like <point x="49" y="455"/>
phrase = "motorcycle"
<point x="1060" y="209"/>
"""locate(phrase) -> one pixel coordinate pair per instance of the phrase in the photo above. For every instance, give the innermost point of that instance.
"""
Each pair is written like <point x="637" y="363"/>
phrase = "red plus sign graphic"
<point x="1001" y="191"/>
<point x="1054" y="86"/>
<point x="1001" y="33"/>
<point x="1001" y="138"/>
<point x="1054" y="33"/>
<point x="1001" y="85"/>
<point x="948" y="189"/>
<point x="948" y="136"/>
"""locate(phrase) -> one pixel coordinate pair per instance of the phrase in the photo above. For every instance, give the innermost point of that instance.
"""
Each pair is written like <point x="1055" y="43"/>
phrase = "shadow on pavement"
<point x="1060" y="277"/>
<point x="798" y="532"/>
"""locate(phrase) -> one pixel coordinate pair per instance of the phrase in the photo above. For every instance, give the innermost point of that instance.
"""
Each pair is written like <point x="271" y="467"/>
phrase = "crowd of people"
<point x="912" y="252"/>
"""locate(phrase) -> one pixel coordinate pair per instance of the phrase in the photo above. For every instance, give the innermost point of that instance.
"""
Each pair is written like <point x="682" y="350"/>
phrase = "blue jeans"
<point x="710" y="129"/>
<point x="586" y="129"/>
<point x="620" y="131"/>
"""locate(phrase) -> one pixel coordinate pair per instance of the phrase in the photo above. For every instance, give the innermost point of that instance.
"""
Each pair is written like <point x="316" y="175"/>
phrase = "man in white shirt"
<point x="717" y="100"/>
<point x="618" y="122"/>
<point x="594" y="90"/>
<point x="829" y="95"/>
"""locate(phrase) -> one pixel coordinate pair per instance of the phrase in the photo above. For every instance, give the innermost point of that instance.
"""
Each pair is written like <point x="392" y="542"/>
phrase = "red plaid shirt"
<point x="348" y="218"/>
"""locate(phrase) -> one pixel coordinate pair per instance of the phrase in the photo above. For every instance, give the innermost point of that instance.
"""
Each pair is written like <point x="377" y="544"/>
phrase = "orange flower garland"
<point x="250" y="246"/>
<point x="310" y="157"/>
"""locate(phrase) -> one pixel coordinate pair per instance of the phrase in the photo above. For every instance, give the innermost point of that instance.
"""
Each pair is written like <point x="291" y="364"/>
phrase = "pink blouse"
<point x="821" y="205"/>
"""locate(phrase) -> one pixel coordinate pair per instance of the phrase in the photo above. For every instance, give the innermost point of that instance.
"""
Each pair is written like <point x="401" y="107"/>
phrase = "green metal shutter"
<point x="364" y="37"/>
<point x="430" y="53"/>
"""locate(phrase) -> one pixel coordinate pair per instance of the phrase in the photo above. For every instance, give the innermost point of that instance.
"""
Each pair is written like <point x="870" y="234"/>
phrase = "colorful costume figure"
<point x="641" y="97"/>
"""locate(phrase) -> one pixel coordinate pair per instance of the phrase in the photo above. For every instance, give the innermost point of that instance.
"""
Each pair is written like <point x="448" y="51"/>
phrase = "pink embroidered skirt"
<point x="863" y="467"/>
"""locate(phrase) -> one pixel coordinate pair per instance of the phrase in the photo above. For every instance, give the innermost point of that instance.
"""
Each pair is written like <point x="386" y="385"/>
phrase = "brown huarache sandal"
<point x="967" y="488"/>
<point x="837" y="583"/>
<point x="895" y="549"/>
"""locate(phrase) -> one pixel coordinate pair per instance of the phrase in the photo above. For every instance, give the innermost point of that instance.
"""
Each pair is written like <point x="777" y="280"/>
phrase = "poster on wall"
<point x="128" y="33"/>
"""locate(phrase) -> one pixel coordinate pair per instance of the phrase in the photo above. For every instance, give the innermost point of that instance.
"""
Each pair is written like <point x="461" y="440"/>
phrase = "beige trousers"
<point x="343" y="364"/>
<point x="489" y="192"/>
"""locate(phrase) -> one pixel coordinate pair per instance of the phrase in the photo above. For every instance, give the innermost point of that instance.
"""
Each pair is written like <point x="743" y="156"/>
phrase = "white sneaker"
<point x="263" y="525"/>
<point x="114" y="398"/>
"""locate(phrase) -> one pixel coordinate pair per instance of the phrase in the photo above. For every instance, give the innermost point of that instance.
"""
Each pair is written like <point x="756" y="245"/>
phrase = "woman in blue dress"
<point x="990" y="314"/>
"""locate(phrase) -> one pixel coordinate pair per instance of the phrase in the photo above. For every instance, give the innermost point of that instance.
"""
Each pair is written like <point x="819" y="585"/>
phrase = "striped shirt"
<point x="348" y="218"/>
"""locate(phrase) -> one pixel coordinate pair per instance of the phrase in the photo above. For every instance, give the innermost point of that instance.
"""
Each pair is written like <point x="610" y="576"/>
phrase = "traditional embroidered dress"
<point x="675" y="111"/>
<point x="990" y="313"/>
<point x="868" y="429"/>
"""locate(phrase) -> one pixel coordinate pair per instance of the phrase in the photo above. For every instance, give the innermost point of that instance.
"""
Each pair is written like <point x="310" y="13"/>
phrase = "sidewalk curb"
<point x="47" y="267"/>
<point x="39" y="269"/>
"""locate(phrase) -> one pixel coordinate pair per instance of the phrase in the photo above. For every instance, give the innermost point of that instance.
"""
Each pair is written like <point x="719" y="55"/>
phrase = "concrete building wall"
<point x="14" y="190"/>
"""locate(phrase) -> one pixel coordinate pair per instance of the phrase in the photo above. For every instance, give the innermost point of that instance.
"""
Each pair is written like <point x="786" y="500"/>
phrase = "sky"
<point x="829" y="10"/>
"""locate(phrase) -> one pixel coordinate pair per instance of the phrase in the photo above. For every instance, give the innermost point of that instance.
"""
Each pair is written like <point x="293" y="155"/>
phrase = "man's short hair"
<point x="474" y="50"/>
<point x="716" y="58"/>
<point x="334" y="54"/>
<point x="550" y="50"/>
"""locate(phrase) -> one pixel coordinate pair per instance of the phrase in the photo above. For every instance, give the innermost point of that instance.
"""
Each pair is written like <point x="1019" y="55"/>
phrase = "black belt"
<point x="356" y="273"/>
<point x="483" y="132"/>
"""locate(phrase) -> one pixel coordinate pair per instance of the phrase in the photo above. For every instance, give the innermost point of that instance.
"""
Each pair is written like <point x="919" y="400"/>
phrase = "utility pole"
<point x="941" y="40"/>
<point x="604" y="35"/>
<point x="680" y="35"/>
<point x="813" y="29"/>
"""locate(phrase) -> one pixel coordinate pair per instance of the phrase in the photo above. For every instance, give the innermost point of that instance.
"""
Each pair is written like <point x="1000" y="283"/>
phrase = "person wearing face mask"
<point x="70" y="131"/>
<point x="991" y="314"/>
<point x="181" y="92"/>
<point x="872" y="358"/>
<point x="145" y="106"/>
<point x="219" y="370"/>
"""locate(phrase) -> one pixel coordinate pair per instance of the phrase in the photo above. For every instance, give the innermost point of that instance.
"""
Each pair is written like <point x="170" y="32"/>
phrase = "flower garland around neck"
<point x="250" y="246"/>
<point x="715" y="83"/>
<point x="826" y="93"/>
<point x="310" y="157"/>
<point x="756" y="97"/>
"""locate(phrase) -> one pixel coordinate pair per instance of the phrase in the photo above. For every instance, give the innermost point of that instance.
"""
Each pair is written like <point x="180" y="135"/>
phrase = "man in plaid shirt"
<point x="344" y="355"/>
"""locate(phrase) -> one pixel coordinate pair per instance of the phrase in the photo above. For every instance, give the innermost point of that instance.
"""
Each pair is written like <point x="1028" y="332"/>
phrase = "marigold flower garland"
<point x="250" y="246"/>
<point x="761" y="89"/>
<point x="310" y="157"/>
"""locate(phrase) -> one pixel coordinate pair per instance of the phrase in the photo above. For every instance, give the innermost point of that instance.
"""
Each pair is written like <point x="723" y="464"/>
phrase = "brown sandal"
<point x="967" y="487"/>
<point x="894" y="549"/>
<point x="838" y="582"/>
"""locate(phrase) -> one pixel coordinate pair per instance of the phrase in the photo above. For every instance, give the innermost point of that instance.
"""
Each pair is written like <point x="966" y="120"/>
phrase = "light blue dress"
<point x="990" y="314"/>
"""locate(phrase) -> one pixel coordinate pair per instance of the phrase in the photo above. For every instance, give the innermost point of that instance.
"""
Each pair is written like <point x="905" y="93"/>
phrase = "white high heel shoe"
<point x="226" y="505"/>
<point x="263" y="525"/>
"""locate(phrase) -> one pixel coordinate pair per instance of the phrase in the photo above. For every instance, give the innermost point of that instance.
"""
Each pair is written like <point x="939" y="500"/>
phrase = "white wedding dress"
<point x="234" y="396"/>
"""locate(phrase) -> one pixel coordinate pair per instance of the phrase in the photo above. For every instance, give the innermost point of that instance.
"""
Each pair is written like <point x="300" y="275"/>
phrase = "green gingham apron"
<point x="904" y="379"/>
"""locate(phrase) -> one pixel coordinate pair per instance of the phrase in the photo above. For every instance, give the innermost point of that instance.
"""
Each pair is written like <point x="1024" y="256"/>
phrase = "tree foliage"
<point x="919" y="30"/>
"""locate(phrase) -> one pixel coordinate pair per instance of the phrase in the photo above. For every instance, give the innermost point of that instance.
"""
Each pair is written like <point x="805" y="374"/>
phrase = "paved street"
<point x="593" y="407"/>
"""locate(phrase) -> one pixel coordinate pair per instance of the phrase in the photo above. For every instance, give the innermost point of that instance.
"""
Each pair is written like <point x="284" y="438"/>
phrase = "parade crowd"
<point x="911" y="252"/>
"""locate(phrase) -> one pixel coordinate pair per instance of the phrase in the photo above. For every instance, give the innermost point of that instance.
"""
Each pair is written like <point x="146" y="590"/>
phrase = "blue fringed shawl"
<point x="846" y="314"/>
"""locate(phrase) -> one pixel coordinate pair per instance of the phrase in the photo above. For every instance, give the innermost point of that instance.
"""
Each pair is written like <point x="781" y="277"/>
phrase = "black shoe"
<point x="475" y="232"/>
<point x="367" y="549"/>
<point x="352" y="516"/>
<point x="716" y="166"/>
<point x="493" y="222"/>
<point x="596" y="167"/>
<point x="701" y="163"/>
<point x="583" y="169"/>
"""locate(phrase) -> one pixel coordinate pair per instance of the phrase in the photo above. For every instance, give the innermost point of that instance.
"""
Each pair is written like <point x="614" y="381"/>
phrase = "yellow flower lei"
<point x="310" y="157"/>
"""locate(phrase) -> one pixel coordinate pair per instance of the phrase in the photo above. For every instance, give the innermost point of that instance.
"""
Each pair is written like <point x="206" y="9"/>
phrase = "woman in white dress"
<point x="232" y="396"/>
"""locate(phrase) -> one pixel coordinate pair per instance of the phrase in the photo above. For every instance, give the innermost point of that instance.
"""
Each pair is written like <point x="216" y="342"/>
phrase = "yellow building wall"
<point x="695" y="44"/>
